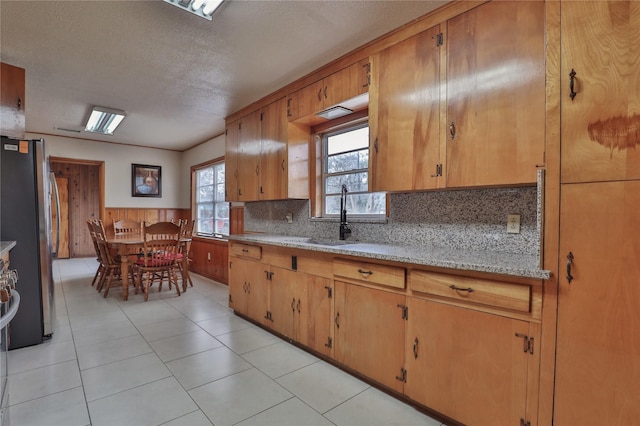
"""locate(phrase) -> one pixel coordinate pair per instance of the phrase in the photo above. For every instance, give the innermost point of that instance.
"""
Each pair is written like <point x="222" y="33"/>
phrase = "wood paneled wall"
<point x="83" y="203"/>
<point x="114" y="214"/>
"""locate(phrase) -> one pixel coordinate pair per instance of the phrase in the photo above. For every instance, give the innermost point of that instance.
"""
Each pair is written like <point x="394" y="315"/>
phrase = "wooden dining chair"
<point x="127" y="226"/>
<point x="186" y="235"/>
<point x="91" y="224"/>
<point x="160" y="256"/>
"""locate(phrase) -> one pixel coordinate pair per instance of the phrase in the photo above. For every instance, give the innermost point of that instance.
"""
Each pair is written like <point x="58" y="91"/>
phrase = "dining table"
<point x="126" y="245"/>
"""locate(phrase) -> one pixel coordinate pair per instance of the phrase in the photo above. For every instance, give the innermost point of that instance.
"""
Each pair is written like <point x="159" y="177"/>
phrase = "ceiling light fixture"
<point x="202" y="8"/>
<point x="334" y="112"/>
<point x="104" y="120"/>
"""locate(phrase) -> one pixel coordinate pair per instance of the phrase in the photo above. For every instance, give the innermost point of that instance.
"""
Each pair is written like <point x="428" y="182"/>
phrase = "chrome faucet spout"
<point x="344" y="227"/>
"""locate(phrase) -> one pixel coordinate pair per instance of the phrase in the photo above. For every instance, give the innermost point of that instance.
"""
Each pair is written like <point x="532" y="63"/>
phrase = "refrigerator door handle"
<point x="54" y="185"/>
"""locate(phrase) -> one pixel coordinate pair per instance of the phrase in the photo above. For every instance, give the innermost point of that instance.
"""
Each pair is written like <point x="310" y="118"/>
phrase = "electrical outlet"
<point x="289" y="217"/>
<point x="208" y="256"/>
<point x="513" y="224"/>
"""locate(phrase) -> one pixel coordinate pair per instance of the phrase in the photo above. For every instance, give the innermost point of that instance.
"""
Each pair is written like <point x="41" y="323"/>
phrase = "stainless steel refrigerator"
<point x="25" y="217"/>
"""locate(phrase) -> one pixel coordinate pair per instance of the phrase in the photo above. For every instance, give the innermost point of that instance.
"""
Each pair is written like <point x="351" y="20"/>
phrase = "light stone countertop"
<point x="481" y="261"/>
<point x="5" y="246"/>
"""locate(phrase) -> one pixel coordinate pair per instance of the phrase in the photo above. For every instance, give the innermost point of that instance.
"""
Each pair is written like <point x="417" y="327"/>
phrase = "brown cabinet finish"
<point x="495" y="94"/>
<point x="273" y="173"/>
<point x="210" y="259"/>
<point x="12" y="102"/>
<point x="248" y="288"/>
<point x="369" y="332"/>
<point x="467" y="365"/>
<point x="249" y="157"/>
<point x="598" y="368"/>
<point x="404" y="114"/>
<point x="232" y="152"/>
<point x="601" y="120"/>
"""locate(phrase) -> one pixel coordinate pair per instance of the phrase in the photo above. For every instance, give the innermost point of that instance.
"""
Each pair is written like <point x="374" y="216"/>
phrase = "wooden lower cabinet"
<point x="597" y="379"/>
<point x="248" y="288"/>
<point x="468" y="365"/>
<point x="288" y="302"/>
<point x="369" y="332"/>
<point x="210" y="259"/>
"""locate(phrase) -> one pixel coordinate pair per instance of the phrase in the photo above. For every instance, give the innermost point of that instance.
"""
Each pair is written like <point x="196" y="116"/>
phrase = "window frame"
<point x="216" y="162"/>
<point x="323" y="136"/>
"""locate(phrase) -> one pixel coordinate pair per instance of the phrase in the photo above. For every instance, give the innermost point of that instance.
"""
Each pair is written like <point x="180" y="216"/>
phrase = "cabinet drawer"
<point x="516" y="297"/>
<point x="374" y="273"/>
<point x="245" y="250"/>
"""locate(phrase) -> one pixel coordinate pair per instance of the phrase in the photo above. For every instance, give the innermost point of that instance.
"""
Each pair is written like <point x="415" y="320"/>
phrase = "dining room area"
<point x="178" y="360"/>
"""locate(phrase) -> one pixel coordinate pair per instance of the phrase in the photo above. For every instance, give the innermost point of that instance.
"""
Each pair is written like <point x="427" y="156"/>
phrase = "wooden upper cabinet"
<point x="340" y="87"/>
<point x="12" y="90"/>
<point x="231" y="140"/>
<point x="495" y="94"/>
<point x="273" y="151"/>
<point x="601" y="123"/>
<point x="267" y="158"/>
<point x="404" y="114"/>
<point x="249" y="157"/>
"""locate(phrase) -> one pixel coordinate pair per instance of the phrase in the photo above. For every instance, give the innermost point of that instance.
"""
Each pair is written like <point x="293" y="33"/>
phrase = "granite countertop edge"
<point x="5" y="246"/>
<point x="518" y="265"/>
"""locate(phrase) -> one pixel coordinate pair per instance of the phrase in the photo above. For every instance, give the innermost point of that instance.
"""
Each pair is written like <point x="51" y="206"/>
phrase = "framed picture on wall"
<point x="146" y="180"/>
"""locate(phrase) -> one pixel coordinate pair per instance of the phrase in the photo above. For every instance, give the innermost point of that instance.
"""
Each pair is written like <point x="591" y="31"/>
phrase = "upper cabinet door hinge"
<point x="405" y="311"/>
<point x="439" y="39"/>
<point x="527" y="343"/>
<point x="524" y="423"/>
<point x="269" y="275"/>
<point x="403" y="376"/>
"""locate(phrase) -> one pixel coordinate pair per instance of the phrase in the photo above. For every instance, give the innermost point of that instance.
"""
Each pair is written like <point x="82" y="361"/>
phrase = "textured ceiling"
<point x="176" y="75"/>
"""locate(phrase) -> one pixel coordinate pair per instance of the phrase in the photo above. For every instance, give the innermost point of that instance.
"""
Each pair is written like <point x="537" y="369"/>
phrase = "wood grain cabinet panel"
<point x="232" y="152"/>
<point x="248" y="289"/>
<point x="598" y="355"/>
<point x="495" y="94"/>
<point x="12" y="101"/>
<point x="342" y="87"/>
<point x="210" y="259"/>
<point x="601" y="122"/>
<point x="369" y="332"/>
<point x="273" y="173"/>
<point x="468" y="365"/>
<point x="371" y="273"/>
<point x="404" y="114"/>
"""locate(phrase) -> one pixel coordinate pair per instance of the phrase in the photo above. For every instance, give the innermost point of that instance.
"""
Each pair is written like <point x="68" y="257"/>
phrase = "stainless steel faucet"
<point x="344" y="228"/>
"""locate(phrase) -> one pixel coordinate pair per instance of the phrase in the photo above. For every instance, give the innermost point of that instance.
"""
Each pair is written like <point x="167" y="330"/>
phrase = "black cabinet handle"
<point x="572" y="80"/>
<point x="569" y="261"/>
<point x="452" y="129"/>
<point x="337" y="320"/>
<point x="456" y="288"/>
<point x="415" y="348"/>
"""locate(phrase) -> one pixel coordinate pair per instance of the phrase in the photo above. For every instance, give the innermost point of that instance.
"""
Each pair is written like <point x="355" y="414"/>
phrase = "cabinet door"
<point x="496" y="94"/>
<point x="258" y="292"/>
<point x="232" y="151"/>
<point x="601" y="124"/>
<point x="249" y="157"/>
<point x="273" y="151"/>
<point x="12" y="90"/>
<point x="369" y="332"/>
<point x="465" y="364"/>
<point x="309" y="100"/>
<point x="238" y="283"/>
<point x="284" y="299"/>
<point x="404" y="114"/>
<point x="316" y="326"/>
<point x="337" y="88"/>
<point x="598" y="355"/>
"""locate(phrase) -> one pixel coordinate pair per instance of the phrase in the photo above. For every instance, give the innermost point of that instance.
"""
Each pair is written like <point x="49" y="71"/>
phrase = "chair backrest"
<point x="187" y="228"/>
<point x="161" y="244"/>
<point x="103" y="248"/>
<point x="126" y="226"/>
<point x="92" y="233"/>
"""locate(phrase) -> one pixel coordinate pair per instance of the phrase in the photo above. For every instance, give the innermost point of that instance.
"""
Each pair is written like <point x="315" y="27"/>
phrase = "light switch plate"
<point x="513" y="224"/>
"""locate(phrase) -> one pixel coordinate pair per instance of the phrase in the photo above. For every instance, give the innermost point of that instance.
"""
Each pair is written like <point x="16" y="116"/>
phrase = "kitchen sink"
<point x="321" y="242"/>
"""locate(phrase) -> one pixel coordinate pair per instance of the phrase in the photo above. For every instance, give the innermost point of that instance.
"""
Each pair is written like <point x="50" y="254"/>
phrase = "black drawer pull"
<point x="468" y="289"/>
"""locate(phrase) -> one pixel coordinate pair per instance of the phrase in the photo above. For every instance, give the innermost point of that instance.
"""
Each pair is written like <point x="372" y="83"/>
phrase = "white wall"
<point x="118" y="160"/>
<point x="176" y="166"/>
<point x="206" y="151"/>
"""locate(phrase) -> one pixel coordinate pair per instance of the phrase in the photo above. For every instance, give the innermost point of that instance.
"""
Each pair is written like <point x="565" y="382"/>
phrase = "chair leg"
<point x="146" y="286"/>
<point x="95" y="277"/>
<point x="103" y="278"/>
<point x="106" y="290"/>
<point x="174" y="276"/>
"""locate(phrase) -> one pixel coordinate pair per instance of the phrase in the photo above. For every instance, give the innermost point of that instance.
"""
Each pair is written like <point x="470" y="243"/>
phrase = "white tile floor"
<point x="178" y="361"/>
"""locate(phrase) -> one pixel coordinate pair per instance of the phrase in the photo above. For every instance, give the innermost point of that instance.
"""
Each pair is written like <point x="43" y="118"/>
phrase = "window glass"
<point x="212" y="212"/>
<point x="346" y="161"/>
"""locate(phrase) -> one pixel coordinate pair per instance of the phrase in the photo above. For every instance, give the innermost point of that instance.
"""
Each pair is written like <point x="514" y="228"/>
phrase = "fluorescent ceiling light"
<point x="202" y="8"/>
<point x="334" y="112"/>
<point x="104" y="120"/>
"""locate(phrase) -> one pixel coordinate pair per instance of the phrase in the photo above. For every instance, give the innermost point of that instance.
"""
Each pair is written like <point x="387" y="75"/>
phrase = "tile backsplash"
<point x="473" y="219"/>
